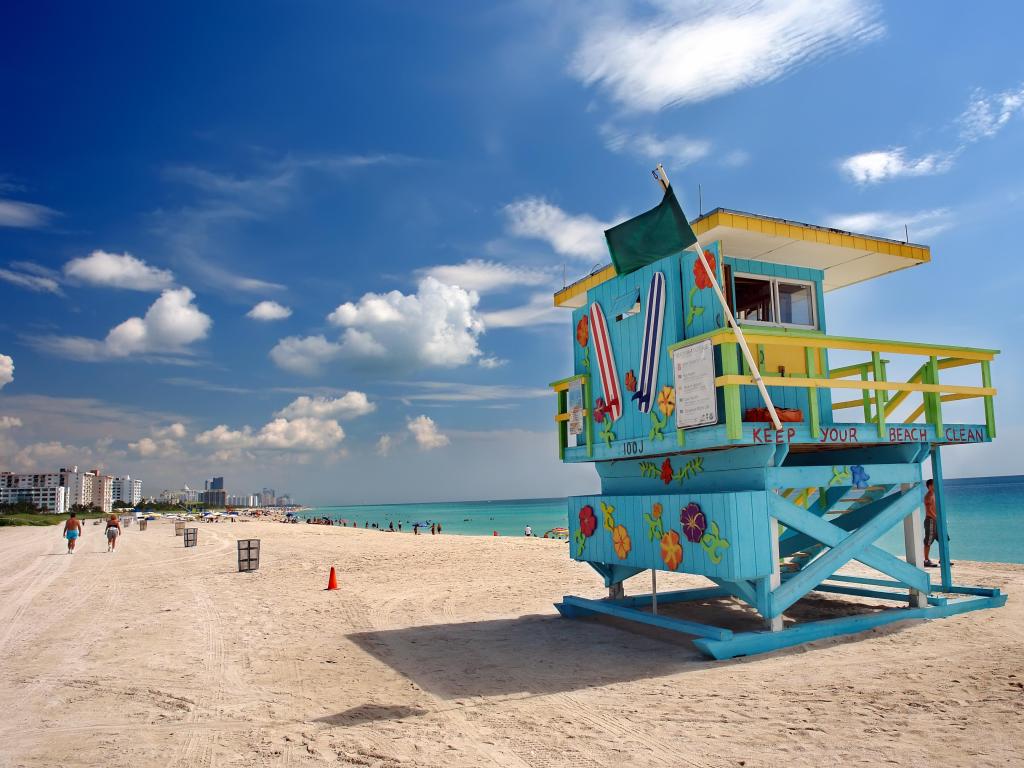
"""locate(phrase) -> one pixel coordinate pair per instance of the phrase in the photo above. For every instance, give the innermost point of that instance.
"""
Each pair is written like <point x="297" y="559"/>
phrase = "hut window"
<point x="774" y="301"/>
<point x="754" y="299"/>
<point x="627" y="305"/>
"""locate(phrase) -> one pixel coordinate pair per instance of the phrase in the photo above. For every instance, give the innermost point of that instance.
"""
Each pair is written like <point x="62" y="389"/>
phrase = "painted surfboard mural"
<point x="651" y="348"/>
<point x="605" y="363"/>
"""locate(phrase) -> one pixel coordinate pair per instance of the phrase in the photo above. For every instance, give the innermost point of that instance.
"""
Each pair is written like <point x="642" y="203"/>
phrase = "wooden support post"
<point x="616" y="591"/>
<point x="940" y="514"/>
<point x="913" y="540"/>
<point x="774" y="623"/>
<point x="881" y="396"/>
<point x="733" y="417"/>
<point x="812" y="392"/>
<point x="990" y="412"/>
<point x="563" y="426"/>
<point x="654" y="591"/>
<point x="867" y="396"/>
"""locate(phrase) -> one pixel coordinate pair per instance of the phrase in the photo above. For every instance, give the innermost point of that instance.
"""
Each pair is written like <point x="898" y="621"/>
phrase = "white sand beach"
<point x="446" y="651"/>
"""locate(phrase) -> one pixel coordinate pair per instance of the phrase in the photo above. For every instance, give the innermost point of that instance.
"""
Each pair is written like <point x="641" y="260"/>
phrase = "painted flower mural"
<point x="600" y="409"/>
<point x="693" y="521"/>
<point x="666" y="472"/>
<point x="860" y="476"/>
<point x="700" y="275"/>
<point x="630" y="381"/>
<point x="671" y="550"/>
<point x="667" y="400"/>
<point x="621" y="542"/>
<point x="582" y="331"/>
<point x="588" y="521"/>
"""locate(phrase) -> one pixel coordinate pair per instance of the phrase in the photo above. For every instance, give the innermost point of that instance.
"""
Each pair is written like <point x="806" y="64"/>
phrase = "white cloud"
<point x="580" y="236"/>
<point x="38" y="283"/>
<point x="384" y="445"/>
<point x="492" y="362"/>
<point x="485" y="276"/>
<point x="688" y="52"/>
<point x="118" y="270"/>
<point x="163" y="442"/>
<point x="174" y="431"/>
<point x="457" y="392"/>
<point x="540" y="310"/>
<point x="986" y="115"/>
<point x="348" y="406"/>
<point x="737" y="158"/>
<point x="921" y="224"/>
<point x="14" y="213"/>
<point x="676" y="151"/>
<point x="304" y="355"/>
<point x="171" y="323"/>
<point x="301" y="434"/>
<point x="269" y="310"/>
<point x="426" y="434"/>
<point x="436" y="326"/>
<point x="880" y="165"/>
<point x="9" y="422"/>
<point x="6" y="370"/>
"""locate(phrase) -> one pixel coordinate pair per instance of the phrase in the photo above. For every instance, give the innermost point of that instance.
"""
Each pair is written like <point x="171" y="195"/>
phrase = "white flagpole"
<point x="755" y="371"/>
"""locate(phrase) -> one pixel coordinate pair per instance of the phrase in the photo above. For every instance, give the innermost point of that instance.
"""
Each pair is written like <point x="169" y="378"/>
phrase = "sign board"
<point x="248" y="554"/>
<point x="696" y="400"/>
<point x="179" y="528"/>
<point x="575" y="407"/>
<point x="191" y="537"/>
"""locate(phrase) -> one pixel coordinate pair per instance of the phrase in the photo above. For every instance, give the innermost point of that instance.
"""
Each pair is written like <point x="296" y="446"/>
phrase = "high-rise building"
<point x="127" y="490"/>
<point x="89" y="489"/>
<point x="43" y="490"/>
<point x="268" y="497"/>
<point x="215" y="484"/>
<point x="215" y="499"/>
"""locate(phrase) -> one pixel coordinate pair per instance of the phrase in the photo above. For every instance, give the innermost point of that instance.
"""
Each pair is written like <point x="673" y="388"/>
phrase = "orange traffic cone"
<point x="332" y="581"/>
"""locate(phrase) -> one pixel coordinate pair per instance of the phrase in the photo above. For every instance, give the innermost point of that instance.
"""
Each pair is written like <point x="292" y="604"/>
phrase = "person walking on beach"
<point x="438" y="529"/>
<point x="113" y="531"/>
<point x="931" y="524"/>
<point x="72" y="530"/>
<point x="433" y="529"/>
<point x="415" y="529"/>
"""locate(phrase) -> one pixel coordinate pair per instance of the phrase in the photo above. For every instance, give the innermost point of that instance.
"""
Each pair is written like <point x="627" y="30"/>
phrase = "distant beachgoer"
<point x="529" y="531"/>
<point x="72" y="530"/>
<point x="391" y="526"/>
<point x="439" y="528"/>
<point x="931" y="523"/>
<point x="113" y="531"/>
<point x="433" y="529"/>
<point x="399" y="527"/>
<point x="416" y="529"/>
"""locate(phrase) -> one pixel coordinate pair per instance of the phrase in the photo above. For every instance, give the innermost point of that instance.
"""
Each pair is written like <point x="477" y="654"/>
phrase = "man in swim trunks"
<point x="72" y="530"/>
<point x="113" y="531"/>
<point x="931" y="525"/>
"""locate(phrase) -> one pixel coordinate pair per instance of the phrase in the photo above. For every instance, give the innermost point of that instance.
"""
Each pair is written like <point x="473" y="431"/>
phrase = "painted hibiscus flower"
<point x="700" y="275"/>
<point x="671" y="550"/>
<point x="621" y="542"/>
<point x="667" y="400"/>
<point x="656" y="510"/>
<point x="630" y="381"/>
<point x="599" y="410"/>
<point x="693" y="521"/>
<point x="588" y="522"/>
<point x="583" y="331"/>
<point x="666" y="472"/>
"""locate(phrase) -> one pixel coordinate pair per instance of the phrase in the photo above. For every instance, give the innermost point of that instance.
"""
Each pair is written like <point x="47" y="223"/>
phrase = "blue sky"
<point x="312" y="245"/>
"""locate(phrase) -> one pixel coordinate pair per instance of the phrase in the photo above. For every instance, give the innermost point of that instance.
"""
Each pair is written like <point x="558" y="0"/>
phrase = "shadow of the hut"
<point x="371" y="713"/>
<point x="544" y="654"/>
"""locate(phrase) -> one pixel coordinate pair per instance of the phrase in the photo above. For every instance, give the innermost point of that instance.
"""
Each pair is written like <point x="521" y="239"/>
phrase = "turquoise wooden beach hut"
<point x="698" y="477"/>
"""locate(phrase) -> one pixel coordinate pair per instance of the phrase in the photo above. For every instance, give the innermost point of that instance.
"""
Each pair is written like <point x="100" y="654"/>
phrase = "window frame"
<point x="774" y="281"/>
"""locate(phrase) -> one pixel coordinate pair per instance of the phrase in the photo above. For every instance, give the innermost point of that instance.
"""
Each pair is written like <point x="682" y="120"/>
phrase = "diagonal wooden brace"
<point x="846" y="546"/>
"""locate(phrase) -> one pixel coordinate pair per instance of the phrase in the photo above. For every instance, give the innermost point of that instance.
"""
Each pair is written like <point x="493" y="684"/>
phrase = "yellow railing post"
<point x="810" y="356"/>
<point x="867" y="396"/>
<point x="990" y="411"/>
<point x="733" y="417"/>
<point x="880" y="394"/>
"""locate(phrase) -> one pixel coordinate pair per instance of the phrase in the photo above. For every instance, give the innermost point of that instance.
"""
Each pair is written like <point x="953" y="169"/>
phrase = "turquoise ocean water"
<point x="985" y="514"/>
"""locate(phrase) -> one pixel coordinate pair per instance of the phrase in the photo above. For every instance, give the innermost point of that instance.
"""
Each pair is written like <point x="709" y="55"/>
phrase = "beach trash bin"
<point x="191" y="537"/>
<point x="179" y="529"/>
<point x="248" y="554"/>
<point x="142" y="524"/>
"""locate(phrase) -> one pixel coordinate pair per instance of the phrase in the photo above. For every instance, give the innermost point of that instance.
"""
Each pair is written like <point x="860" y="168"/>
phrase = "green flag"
<point x="650" y="236"/>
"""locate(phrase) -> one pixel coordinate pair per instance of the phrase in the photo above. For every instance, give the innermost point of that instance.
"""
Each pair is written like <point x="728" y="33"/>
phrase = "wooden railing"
<point x="868" y="377"/>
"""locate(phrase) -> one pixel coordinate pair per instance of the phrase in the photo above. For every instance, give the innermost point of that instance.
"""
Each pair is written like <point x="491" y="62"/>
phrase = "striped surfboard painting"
<point x="654" y="317"/>
<point x="605" y="362"/>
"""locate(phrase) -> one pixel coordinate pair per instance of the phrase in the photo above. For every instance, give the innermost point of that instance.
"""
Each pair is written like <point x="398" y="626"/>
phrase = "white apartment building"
<point x="126" y="490"/>
<point x="89" y="488"/>
<point x="44" y="490"/>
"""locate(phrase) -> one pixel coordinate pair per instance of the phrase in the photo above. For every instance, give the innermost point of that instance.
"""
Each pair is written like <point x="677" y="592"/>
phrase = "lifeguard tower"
<point x="768" y="496"/>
